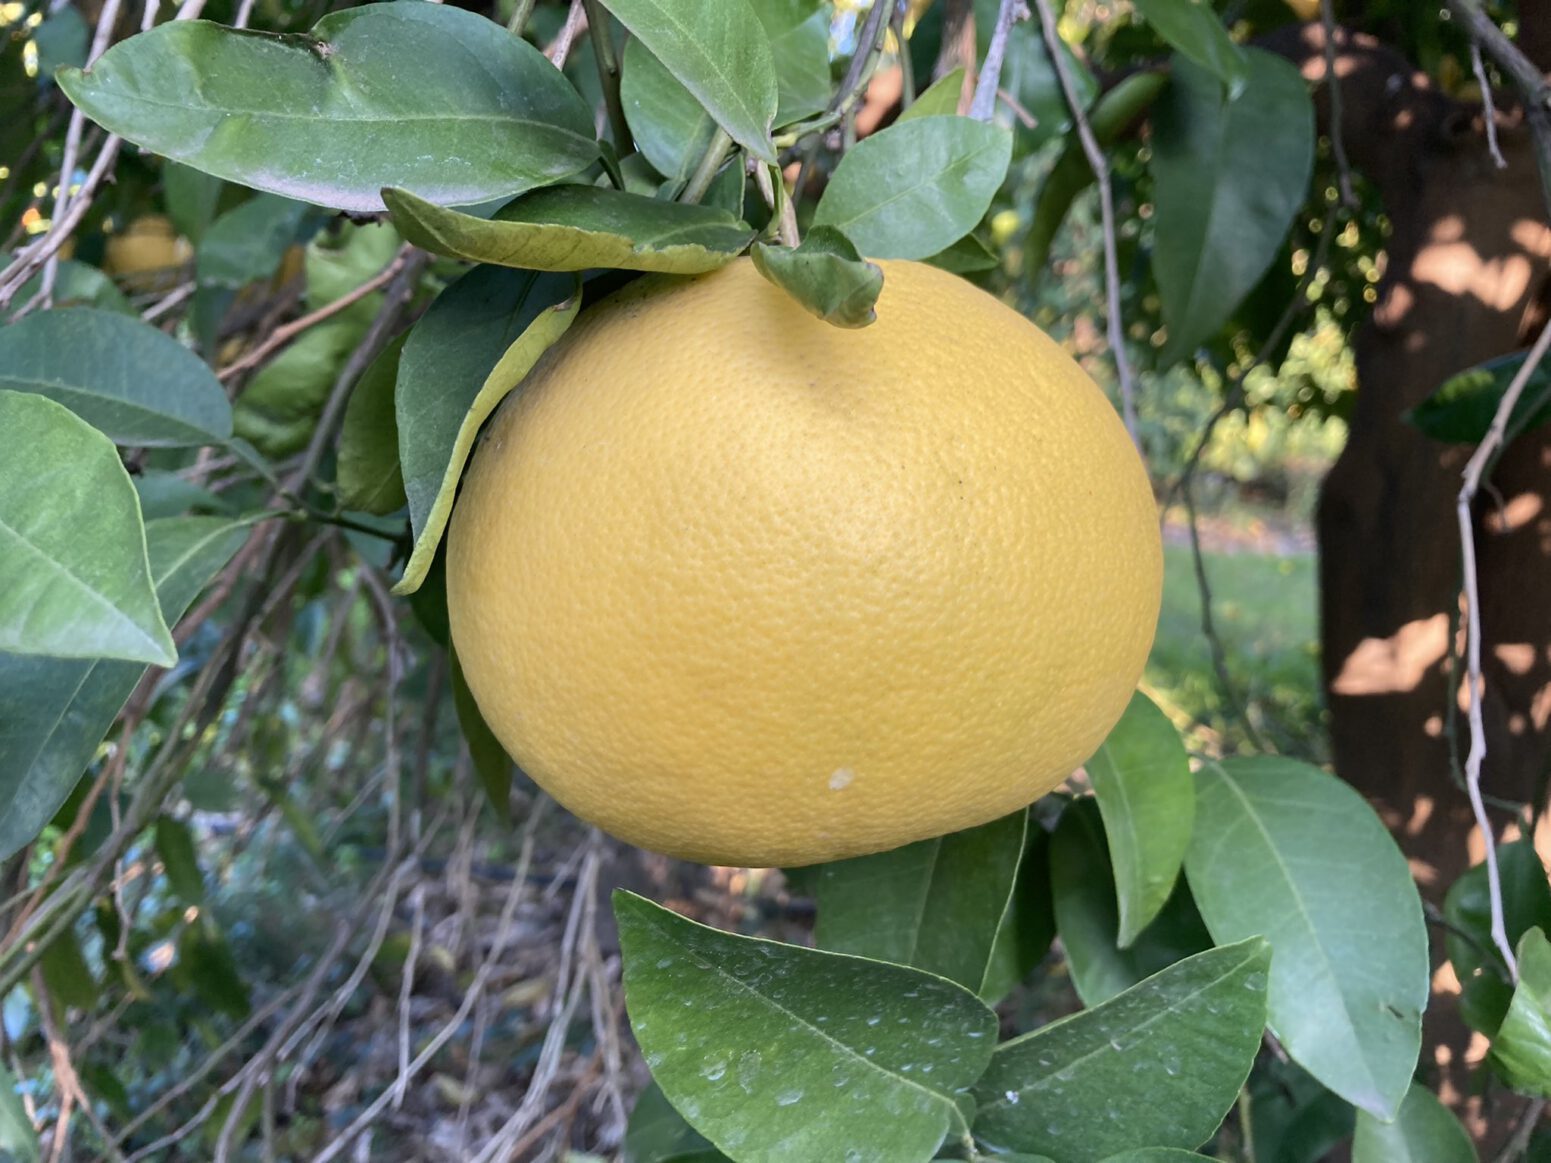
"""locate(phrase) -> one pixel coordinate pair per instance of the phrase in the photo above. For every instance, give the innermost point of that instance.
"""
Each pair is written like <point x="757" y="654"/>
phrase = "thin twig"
<point x="608" y="75"/>
<point x="560" y="50"/>
<point x="710" y="162"/>
<point x="283" y="335"/>
<point x="1327" y="17"/>
<point x="1488" y="111"/>
<point x="983" y="105"/>
<point x="1100" y="166"/>
<point x="520" y="14"/>
<point x="1525" y="75"/>
<point x="1475" y="468"/>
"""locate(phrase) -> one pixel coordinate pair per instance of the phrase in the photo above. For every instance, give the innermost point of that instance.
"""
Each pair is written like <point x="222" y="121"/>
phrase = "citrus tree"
<point x="638" y="379"/>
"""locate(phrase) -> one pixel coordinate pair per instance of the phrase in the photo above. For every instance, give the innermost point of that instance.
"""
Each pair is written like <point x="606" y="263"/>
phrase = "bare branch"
<point x="1488" y="112"/>
<point x="1337" y="141"/>
<point x="1100" y="166"/>
<point x="983" y="105"/>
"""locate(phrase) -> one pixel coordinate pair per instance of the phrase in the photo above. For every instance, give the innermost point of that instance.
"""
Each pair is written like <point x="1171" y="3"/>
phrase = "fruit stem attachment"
<point x="710" y="162"/>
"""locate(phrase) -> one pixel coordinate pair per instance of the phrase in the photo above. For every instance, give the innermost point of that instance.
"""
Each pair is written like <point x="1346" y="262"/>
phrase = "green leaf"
<point x="669" y="125"/>
<point x="1088" y="917"/>
<point x="1072" y="174"/>
<point x="720" y="53"/>
<point x="937" y="905"/>
<point x="1526" y="897"/>
<point x="776" y="1052"/>
<point x="1029" y="925"/>
<point x="968" y="256"/>
<point x="369" y="477"/>
<point x="18" y="1139"/>
<point x="800" y="53"/>
<point x="1463" y="407"/>
<point x="657" y="1133"/>
<point x="206" y="964"/>
<point x="491" y="763"/>
<point x="1521" y="1051"/>
<point x="247" y="242"/>
<point x="1194" y="29"/>
<point x="1155" y="1155"/>
<point x="1293" y="1119"/>
<point x="74" y="581"/>
<point x="65" y="972"/>
<point x="575" y="228"/>
<point x="124" y="377"/>
<point x="1425" y="1132"/>
<point x="180" y="859"/>
<point x="279" y="408"/>
<point x="166" y="494"/>
<point x="940" y="99"/>
<point x="422" y="96"/>
<point x="912" y="189"/>
<point x="192" y="199"/>
<point x="59" y="709"/>
<point x="1156" y="1066"/>
<point x="826" y="275"/>
<point x="1229" y="176"/>
<point x="476" y="343"/>
<point x="78" y="284"/>
<point x="62" y="39"/>
<point x="1284" y="850"/>
<point x="1141" y="777"/>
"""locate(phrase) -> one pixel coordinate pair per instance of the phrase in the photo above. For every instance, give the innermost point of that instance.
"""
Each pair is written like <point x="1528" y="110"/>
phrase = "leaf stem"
<point x="608" y="73"/>
<point x="520" y="15"/>
<point x="710" y="162"/>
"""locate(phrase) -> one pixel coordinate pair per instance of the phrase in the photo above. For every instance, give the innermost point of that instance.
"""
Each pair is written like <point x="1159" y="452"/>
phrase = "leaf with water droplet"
<point x="1178" y="1074"/>
<point x="755" y="1005"/>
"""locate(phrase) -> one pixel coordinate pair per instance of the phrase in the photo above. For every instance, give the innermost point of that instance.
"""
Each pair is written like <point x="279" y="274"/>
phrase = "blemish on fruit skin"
<point x="841" y="779"/>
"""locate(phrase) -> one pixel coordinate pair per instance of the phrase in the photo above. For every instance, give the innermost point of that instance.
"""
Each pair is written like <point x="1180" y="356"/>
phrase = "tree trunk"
<point x="1466" y="266"/>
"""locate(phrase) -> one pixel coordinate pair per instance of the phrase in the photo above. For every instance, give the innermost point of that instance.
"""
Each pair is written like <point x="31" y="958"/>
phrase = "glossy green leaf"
<point x="1088" y="917"/>
<point x="1228" y="178"/>
<point x="775" y="1052"/>
<point x="575" y="228"/>
<point x="424" y="96"/>
<point x="800" y="54"/>
<point x="123" y="377"/>
<point x="248" y="242"/>
<point x="369" y="477"/>
<point x="826" y="275"/>
<point x="1155" y="1155"/>
<point x="1194" y="29"/>
<point x="180" y="859"/>
<point x="192" y="199"/>
<point x="1293" y="1119"/>
<point x="74" y="581"/>
<point x="475" y="344"/>
<point x="166" y="494"/>
<point x="1521" y="1051"/>
<point x="1461" y="410"/>
<point x="1156" y="1066"/>
<point x="912" y="189"/>
<point x="61" y="708"/>
<point x="1425" y="1131"/>
<point x="719" y="52"/>
<point x="937" y="904"/>
<point x="1526" y="897"/>
<point x="657" y="1133"/>
<point x="18" y="1139"/>
<point x="1286" y="851"/>
<point x="491" y="762"/>
<point x="1141" y="778"/>
<point x="668" y="123"/>
<point x="1028" y="927"/>
<point x="940" y="99"/>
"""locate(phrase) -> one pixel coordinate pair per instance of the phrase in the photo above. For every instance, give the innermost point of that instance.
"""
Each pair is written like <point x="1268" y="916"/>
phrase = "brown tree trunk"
<point x="1466" y="265"/>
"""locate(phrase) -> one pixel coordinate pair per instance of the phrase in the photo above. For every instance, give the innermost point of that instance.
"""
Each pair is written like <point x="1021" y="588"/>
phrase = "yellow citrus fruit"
<point x="148" y="247"/>
<point x="745" y="588"/>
